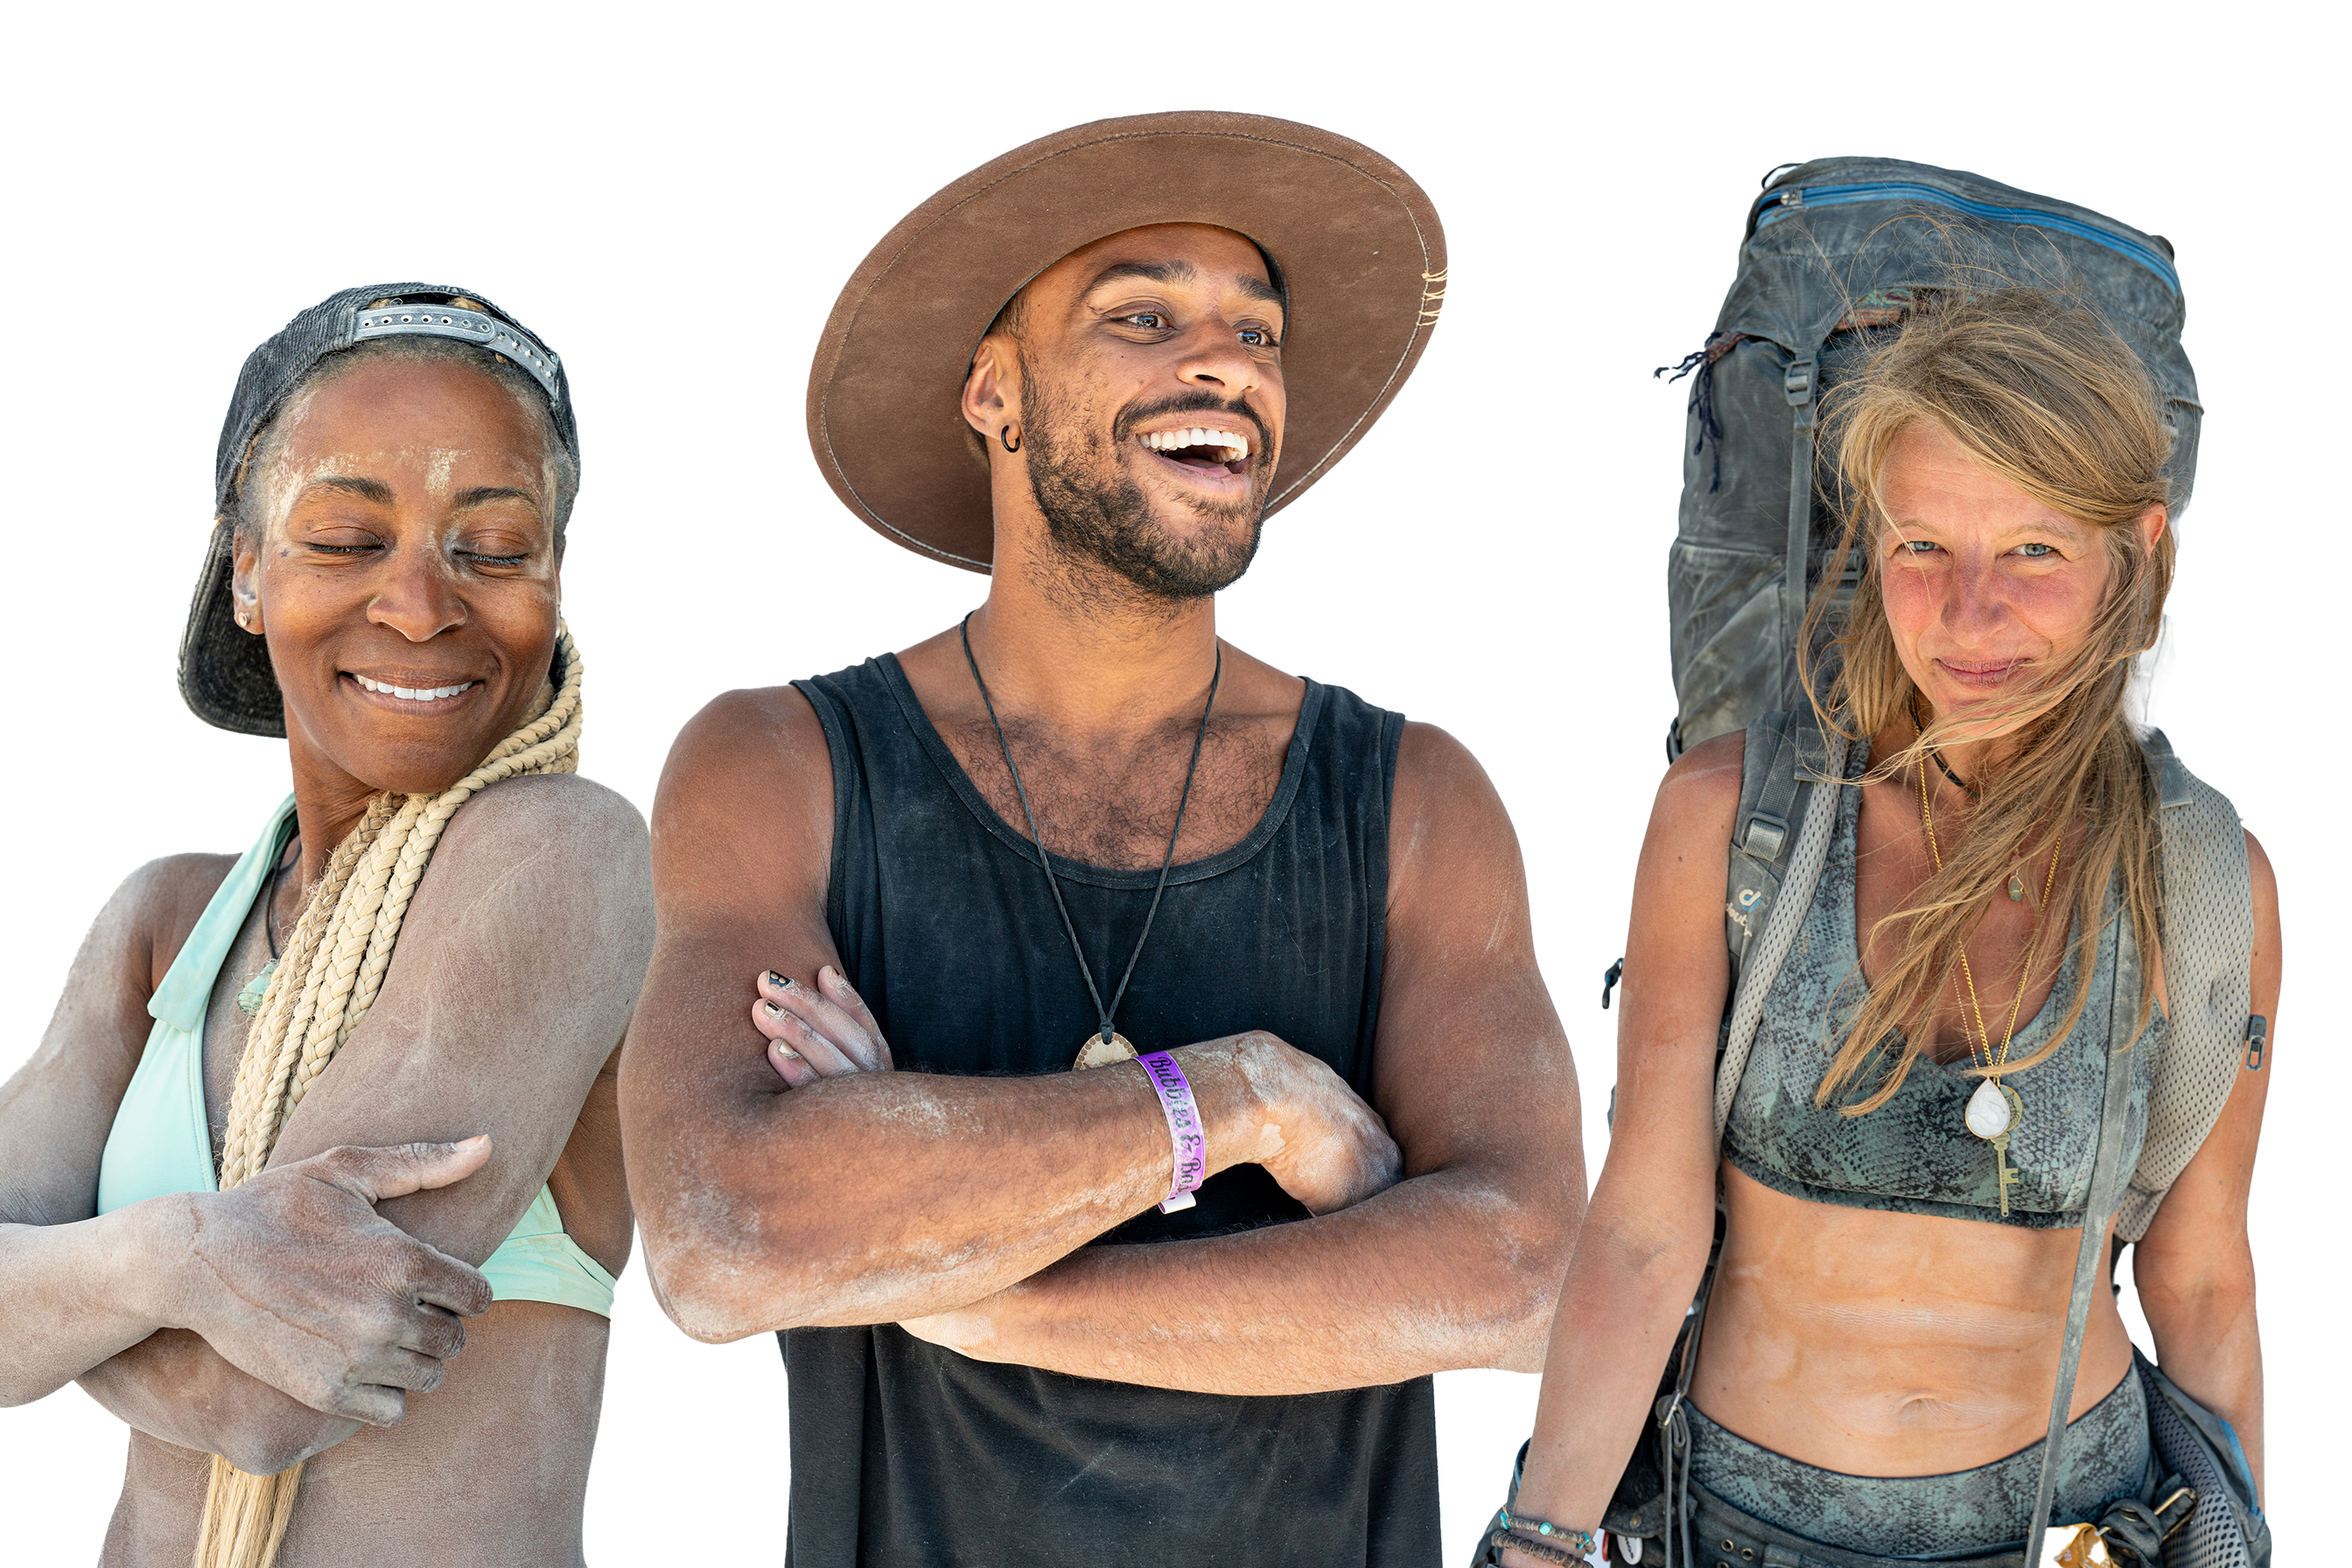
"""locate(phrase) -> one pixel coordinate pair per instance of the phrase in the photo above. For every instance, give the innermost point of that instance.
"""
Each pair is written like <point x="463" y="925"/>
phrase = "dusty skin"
<point x="276" y="1321"/>
<point x="1868" y="1342"/>
<point x="802" y="1184"/>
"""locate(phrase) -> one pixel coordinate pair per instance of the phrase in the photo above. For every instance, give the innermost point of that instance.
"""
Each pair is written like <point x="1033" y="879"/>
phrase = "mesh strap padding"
<point x="1786" y="915"/>
<point x="2209" y="951"/>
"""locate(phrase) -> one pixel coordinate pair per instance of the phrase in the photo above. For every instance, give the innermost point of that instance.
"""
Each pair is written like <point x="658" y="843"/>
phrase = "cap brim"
<point x="1358" y="243"/>
<point x="225" y="670"/>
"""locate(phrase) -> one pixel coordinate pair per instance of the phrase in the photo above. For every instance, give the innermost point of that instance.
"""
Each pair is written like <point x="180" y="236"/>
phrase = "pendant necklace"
<point x="2016" y="881"/>
<point x="1105" y="1045"/>
<point x="248" y="1001"/>
<point x="1994" y="1110"/>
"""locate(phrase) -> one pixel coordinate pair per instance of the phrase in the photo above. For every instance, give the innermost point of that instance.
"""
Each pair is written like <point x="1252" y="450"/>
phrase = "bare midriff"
<point x="1876" y="1343"/>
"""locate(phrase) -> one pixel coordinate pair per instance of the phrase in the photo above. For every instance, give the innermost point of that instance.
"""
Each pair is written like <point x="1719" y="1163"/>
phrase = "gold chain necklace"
<point x="1994" y="1108"/>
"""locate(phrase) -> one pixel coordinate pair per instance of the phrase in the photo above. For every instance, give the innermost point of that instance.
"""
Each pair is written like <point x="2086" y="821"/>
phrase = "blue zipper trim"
<point x="1772" y="210"/>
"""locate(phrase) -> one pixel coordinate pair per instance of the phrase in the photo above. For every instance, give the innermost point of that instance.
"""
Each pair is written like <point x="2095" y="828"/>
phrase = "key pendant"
<point x="2003" y="1177"/>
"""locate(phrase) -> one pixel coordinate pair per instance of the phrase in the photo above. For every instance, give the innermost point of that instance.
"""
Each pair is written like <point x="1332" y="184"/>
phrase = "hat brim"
<point x="1358" y="243"/>
<point x="226" y="675"/>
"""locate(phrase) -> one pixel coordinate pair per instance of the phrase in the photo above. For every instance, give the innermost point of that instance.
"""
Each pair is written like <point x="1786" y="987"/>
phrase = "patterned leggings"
<point x="1963" y="1513"/>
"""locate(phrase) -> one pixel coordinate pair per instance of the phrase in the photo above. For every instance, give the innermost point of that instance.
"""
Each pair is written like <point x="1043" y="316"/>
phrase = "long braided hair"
<point x="333" y="966"/>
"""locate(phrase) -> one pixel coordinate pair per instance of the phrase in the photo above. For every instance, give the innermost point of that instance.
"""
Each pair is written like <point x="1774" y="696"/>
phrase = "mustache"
<point x="1135" y="414"/>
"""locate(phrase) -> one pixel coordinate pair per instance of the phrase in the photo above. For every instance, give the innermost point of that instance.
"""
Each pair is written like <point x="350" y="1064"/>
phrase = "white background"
<point x="673" y="198"/>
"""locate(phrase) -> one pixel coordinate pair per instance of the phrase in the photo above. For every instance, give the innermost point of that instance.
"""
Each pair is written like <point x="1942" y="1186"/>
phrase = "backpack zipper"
<point x="1782" y="204"/>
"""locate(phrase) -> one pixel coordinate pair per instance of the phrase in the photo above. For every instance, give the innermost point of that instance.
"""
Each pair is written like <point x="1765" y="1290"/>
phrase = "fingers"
<point x="376" y="1174"/>
<point x="371" y="1403"/>
<point x="832" y="1016"/>
<point x="843" y="995"/>
<point x="437" y="1280"/>
<point x="794" y="1048"/>
<point x="432" y="1333"/>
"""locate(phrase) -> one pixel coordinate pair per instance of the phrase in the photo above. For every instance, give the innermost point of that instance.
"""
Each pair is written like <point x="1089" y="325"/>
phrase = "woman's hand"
<point x="295" y="1280"/>
<point x="817" y="1033"/>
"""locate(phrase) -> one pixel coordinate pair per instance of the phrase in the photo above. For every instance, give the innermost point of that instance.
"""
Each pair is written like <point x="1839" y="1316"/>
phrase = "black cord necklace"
<point x="1109" y="1046"/>
<point x="1941" y="766"/>
<point x="249" y="1000"/>
<point x="269" y="895"/>
<point x="1945" y="769"/>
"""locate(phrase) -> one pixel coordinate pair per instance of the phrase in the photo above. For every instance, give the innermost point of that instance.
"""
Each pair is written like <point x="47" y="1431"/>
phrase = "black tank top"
<point x="906" y="1454"/>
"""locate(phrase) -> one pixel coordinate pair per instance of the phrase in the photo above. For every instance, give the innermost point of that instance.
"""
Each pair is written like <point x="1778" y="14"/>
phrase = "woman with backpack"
<point x="303" y="1114"/>
<point x="1943" y="1079"/>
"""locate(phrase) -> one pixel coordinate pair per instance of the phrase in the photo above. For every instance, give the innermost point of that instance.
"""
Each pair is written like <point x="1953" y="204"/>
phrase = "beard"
<point x="1099" y="518"/>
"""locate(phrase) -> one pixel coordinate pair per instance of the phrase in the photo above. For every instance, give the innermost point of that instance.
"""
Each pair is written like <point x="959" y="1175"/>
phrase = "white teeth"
<point x="1236" y="446"/>
<point x="413" y="694"/>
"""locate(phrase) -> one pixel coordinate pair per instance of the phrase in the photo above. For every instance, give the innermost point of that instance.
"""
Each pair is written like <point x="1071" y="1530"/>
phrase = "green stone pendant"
<point x="248" y="1001"/>
<point x="2016" y="889"/>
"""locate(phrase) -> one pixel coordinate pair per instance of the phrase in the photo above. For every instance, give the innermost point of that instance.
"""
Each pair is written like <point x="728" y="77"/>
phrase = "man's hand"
<point x="1318" y="1138"/>
<point x="295" y="1280"/>
<point x="817" y="1033"/>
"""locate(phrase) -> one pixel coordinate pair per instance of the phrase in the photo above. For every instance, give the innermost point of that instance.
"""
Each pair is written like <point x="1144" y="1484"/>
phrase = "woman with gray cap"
<point x="302" y="1113"/>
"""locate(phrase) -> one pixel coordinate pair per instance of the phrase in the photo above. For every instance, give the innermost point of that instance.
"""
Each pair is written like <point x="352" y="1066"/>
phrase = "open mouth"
<point x="415" y="696"/>
<point x="1210" y="450"/>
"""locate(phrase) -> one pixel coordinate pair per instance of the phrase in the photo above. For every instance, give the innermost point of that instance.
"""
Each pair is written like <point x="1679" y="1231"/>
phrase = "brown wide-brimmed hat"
<point x="1358" y="245"/>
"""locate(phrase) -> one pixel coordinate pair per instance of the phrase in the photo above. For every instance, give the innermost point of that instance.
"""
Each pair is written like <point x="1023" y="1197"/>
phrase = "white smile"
<point x="414" y="694"/>
<point x="1213" y="444"/>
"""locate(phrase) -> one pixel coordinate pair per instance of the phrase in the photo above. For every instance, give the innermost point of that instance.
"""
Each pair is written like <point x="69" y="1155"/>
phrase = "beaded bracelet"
<point x="1512" y="1530"/>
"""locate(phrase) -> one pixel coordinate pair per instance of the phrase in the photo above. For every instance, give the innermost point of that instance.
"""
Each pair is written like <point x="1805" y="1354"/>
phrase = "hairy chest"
<point x="1114" y="804"/>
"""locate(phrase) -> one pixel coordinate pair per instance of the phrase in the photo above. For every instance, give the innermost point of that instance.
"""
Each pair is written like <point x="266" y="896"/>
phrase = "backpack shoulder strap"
<point x="1778" y="841"/>
<point x="2208" y="905"/>
<point x="2090" y="1251"/>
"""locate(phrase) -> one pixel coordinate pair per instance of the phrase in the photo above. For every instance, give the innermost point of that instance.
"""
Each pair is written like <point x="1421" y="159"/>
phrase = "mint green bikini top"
<point x="161" y="1142"/>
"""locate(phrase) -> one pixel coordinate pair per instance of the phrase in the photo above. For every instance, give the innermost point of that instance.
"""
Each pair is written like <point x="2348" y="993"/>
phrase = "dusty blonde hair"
<point x="333" y="966"/>
<point x="2034" y="385"/>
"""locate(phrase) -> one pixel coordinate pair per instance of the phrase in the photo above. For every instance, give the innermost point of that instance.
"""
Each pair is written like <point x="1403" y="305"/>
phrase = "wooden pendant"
<point x="1098" y="1052"/>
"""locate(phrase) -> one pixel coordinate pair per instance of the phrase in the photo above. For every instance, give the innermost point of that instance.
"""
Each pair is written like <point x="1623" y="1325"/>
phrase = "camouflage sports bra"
<point x="1914" y="1154"/>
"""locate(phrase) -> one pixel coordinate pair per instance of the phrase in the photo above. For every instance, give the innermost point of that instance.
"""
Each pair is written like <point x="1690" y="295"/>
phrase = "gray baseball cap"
<point x="225" y="672"/>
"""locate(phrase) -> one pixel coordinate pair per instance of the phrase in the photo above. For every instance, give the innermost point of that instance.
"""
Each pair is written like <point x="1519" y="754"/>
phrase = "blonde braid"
<point x="333" y="966"/>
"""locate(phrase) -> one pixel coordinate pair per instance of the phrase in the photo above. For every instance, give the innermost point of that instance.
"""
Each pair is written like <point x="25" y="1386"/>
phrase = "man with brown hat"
<point x="1091" y="368"/>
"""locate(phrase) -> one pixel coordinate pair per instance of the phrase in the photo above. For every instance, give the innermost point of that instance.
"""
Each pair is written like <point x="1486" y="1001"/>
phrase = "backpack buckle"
<point x="1798" y="383"/>
<point x="1764" y="836"/>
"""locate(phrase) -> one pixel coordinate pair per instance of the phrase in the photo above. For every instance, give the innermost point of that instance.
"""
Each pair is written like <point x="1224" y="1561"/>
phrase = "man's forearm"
<point x="879" y="1196"/>
<point x="1444" y="1270"/>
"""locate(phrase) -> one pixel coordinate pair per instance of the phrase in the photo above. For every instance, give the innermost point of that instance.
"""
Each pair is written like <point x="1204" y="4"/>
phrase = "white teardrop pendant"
<point x="1987" y="1113"/>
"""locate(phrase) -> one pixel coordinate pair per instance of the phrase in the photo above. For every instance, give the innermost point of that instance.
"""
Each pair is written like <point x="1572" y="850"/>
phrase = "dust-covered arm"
<point x="1456" y="1266"/>
<point x="875" y="1196"/>
<point x="517" y="966"/>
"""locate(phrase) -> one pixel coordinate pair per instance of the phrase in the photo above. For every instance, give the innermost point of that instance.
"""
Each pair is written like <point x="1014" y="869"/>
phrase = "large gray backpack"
<point x="1835" y="251"/>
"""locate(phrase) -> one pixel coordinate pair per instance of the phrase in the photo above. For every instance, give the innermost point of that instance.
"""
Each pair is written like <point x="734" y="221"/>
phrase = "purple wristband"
<point x="1184" y="1131"/>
